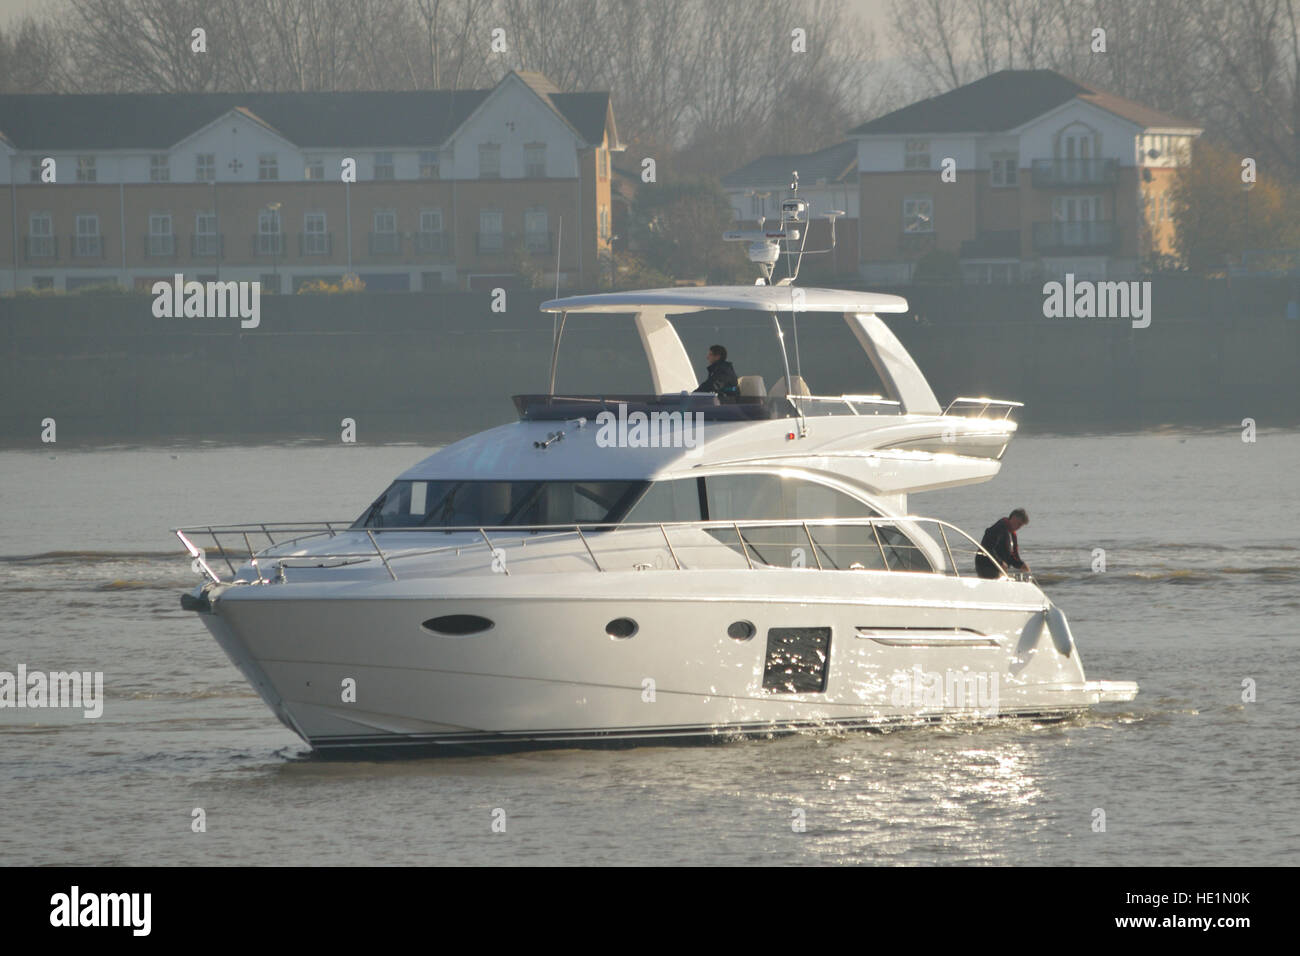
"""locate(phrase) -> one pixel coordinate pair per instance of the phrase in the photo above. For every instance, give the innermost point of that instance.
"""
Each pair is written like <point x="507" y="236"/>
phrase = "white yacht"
<point x="658" y="567"/>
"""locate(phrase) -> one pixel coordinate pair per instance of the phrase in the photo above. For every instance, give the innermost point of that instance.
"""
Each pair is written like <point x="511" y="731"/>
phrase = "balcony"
<point x="1055" y="173"/>
<point x="87" y="247"/>
<point x="268" y="244"/>
<point x="1096" y="236"/>
<point x="433" y="243"/>
<point x="917" y="241"/>
<point x="489" y="243"/>
<point x="385" y="243"/>
<point x="159" y="246"/>
<point x="205" y="245"/>
<point x="315" y="243"/>
<point x="41" y="247"/>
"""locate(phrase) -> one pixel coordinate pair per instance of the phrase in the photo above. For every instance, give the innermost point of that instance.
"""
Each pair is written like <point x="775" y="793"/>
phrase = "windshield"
<point x="486" y="504"/>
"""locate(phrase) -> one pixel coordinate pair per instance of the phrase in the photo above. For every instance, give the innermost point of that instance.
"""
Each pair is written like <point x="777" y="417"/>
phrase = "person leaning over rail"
<point x="1000" y="541"/>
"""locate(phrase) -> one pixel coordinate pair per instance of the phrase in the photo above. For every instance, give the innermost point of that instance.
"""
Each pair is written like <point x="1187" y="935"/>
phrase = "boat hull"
<point x="359" y="668"/>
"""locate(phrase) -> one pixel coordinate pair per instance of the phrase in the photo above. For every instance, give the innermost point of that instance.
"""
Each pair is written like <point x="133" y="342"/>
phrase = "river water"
<point x="1199" y="598"/>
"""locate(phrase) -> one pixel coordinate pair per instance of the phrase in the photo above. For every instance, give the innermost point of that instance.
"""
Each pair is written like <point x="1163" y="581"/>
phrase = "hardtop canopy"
<point x="765" y="298"/>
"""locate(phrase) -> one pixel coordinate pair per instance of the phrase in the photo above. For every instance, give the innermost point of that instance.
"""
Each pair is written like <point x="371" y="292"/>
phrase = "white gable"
<point x="1114" y="138"/>
<point x="238" y="139"/>
<point x="512" y="117"/>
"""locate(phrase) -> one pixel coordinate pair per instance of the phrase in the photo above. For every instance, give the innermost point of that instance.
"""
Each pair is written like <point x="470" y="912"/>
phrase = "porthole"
<point x="458" y="625"/>
<point x="741" y="630"/>
<point x="621" y="628"/>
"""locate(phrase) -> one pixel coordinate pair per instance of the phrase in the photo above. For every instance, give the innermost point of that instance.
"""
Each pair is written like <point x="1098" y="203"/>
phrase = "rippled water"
<point x="1201" y="592"/>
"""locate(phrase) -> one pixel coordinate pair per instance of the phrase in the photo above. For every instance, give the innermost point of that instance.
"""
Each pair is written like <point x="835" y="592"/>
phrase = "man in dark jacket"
<point x="722" y="377"/>
<point x="1000" y="541"/>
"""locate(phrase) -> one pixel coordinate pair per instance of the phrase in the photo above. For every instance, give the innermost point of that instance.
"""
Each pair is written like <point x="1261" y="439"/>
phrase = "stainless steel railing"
<point x="889" y="547"/>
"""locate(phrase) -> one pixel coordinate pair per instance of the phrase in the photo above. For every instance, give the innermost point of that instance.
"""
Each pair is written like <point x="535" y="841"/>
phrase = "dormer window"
<point x="86" y="172"/>
<point x="160" y="170"/>
<point x="268" y="166"/>
<point x="313" y="168"/>
<point x="429" y="164"/>
<point x="384" y="166"/>
<point x="535" y="161"/>
<point x="489" y="161"/>
<point x="916" y="154"/>
<point x="1003" y="169"/>
<point x="205" y="167"/>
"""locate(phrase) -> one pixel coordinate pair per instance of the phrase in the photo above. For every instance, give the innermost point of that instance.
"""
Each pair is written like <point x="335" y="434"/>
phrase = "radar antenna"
<point x="765" y="245"/>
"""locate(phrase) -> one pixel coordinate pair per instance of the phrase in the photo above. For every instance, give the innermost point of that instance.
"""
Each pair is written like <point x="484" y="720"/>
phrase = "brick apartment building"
<point x="450" y="187"/>
<point x="1052" y="176"/>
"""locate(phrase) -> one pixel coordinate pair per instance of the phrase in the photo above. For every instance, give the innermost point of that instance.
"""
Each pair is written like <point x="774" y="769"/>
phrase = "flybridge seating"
<point x="743" y="408"/>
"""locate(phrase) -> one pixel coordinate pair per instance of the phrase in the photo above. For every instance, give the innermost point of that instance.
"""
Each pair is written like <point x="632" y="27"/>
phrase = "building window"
<point x="604" y="222"/>
<point x="537" y="236"/>
<point x="384" y="166"/>
<point x="89" y="243"/>
<point x="268" y="166"/>
<point x="490" y="230"/>
<point x="604" y="163"/>
<point x="270" y="240"/>
<point x="916" y="154"/>
<point x="1005" y="169"/>
<point x="40" y="236"/>
<point x="315" y="237"/>
<point x="86" y="170"/>
<point x="918" y="214"/>
<point x="35" y="174"/>
<point x="1076" y="208"/>
<point x="313" y="168"/>
<point x="207" y="242"/>
<point x="429" y="164"/>
<point x="160" y="169"/>
<point x="384" y="239"/>
<point x="431" y="230"/>
<point x="160" y="241"/>
<point x="535" y="161"/>
<point x="205" y="167"/>
<point x="489" y="161"/>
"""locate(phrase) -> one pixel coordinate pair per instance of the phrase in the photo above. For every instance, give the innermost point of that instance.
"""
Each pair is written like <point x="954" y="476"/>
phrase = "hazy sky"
<point x="872" y="11"/>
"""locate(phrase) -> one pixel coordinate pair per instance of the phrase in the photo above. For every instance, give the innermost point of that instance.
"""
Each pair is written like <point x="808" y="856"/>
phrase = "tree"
<point x="679" y="227"/>
<point x="1217" y="216"/>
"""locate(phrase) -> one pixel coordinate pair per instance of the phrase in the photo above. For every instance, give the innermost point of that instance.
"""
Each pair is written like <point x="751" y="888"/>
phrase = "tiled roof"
<point x="1006" y="100"/>
<point x="109" y="121"/>
<point x="833" y="164"/>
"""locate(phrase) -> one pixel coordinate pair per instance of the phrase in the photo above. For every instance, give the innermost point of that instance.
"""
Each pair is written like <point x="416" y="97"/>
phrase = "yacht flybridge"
<point x="655" y="567"/>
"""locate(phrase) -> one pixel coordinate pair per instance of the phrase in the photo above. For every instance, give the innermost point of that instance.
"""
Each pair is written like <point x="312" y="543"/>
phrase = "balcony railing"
<point x="207" y="244"/>
<point x="538" y="242"/>
<point x="433" y="243"/>
<point x="1049" y="173"/>
<point x="315" y="243"/>
<point x="385" y="243"/>
<point x="41" y="247"/>
<point x="87" y="247"/>
<point x="268" y="244"/>
<point x="917" y="241"/>
<point x="158" y="246"/>
<point x="1091" y="236"/>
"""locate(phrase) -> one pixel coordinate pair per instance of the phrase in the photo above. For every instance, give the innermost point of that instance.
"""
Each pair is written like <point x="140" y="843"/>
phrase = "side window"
<point x="744" y="497"/>
<point x="668" y="501"/>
